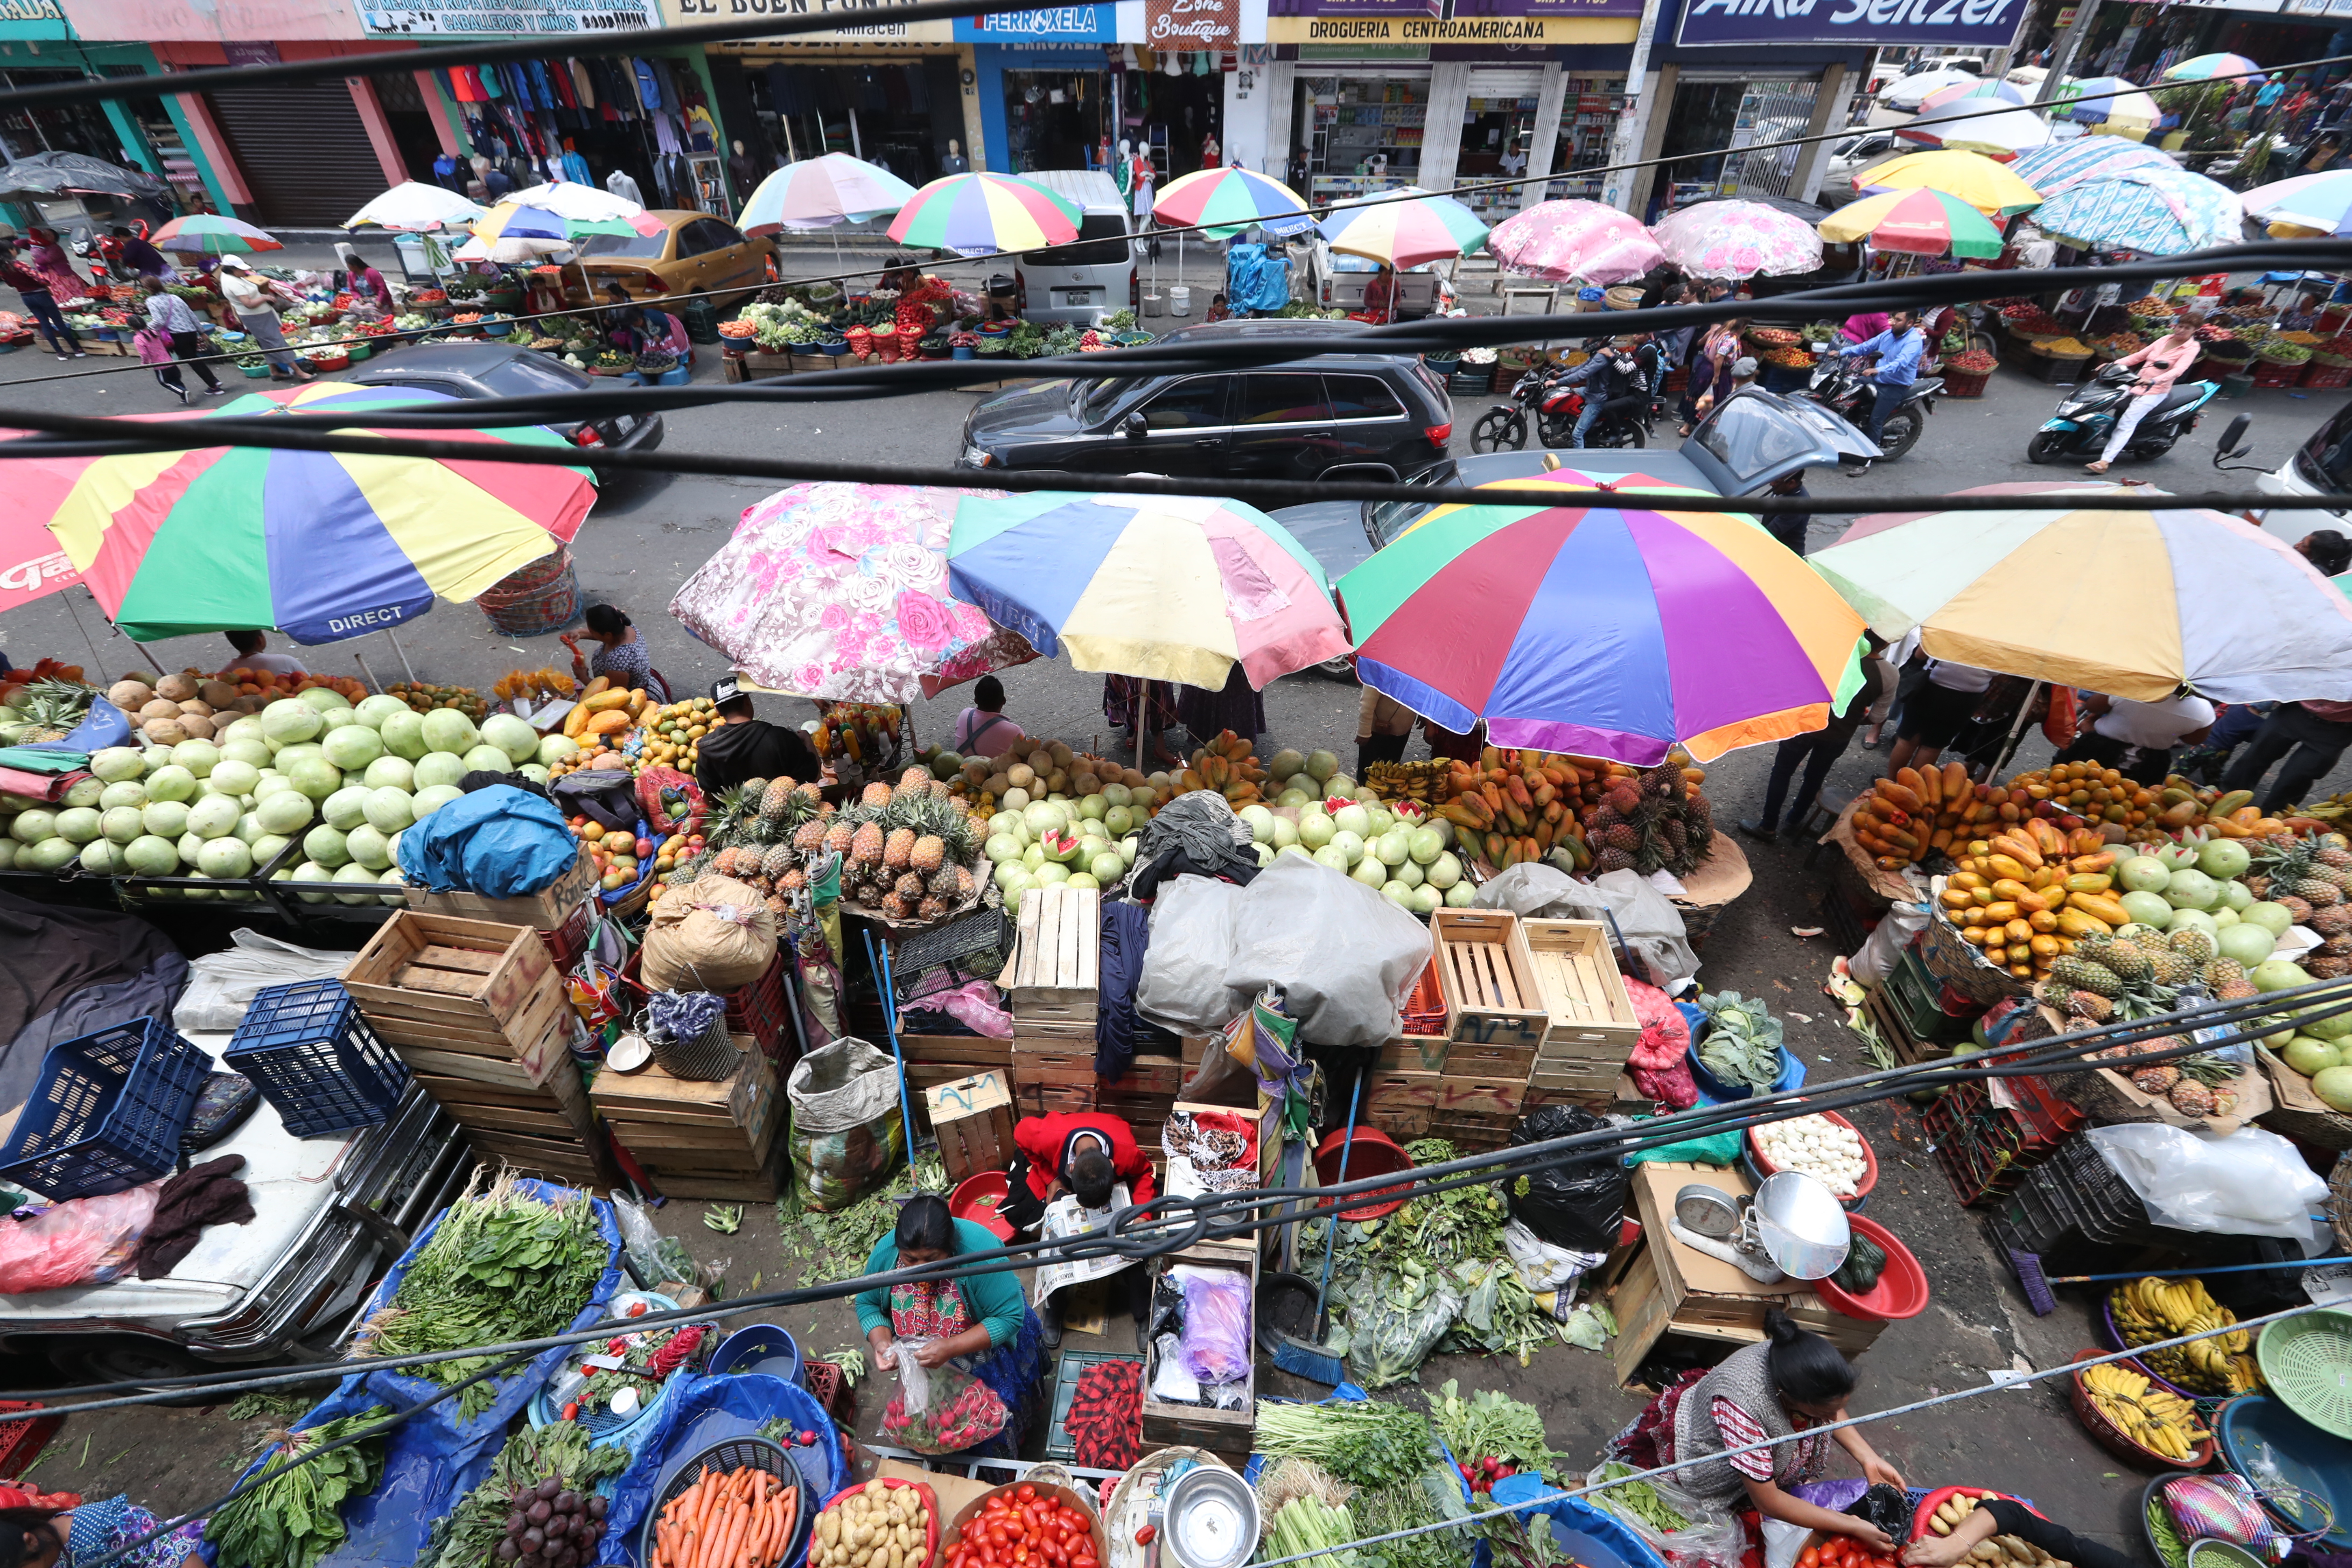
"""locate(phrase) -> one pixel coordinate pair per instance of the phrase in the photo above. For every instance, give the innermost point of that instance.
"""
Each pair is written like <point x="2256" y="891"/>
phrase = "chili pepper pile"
<point x="1020" y="1524"/>
<point x="1105" y="1419"/>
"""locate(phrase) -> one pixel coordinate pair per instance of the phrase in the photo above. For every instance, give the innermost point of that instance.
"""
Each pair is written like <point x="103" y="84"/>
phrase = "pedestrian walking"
<point x="39" y="303"/>
<point x="2310" y="736"/>
<point x="1790" y="527"/>
<point x="169" y="317"/>
<point x="1899" y="349"/>
<point x="255" y="301"/>
<point x="1816" y="751"/>
<point x="2161" y="365"/>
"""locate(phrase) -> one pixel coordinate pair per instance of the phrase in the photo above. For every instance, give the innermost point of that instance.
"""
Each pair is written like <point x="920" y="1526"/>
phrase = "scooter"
<point x="1557" y="409"/>
<point x="1838" y="385"/>
<point x="2087" y="417"/>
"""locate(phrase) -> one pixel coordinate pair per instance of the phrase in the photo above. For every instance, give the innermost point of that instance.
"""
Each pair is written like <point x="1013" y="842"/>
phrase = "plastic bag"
<point x="1394" y="1321"/>
<point x="1541" y="1265"/>
<point x="1874" y="961"/>
<point x="83" y="1241"/>
<point x="1577" y="1206"/>
<point x="1345" y="958"/>
<point x="1660" y="1062"/>
<point x="846" y="1130"/>
<point x="2252" y="1182"/>
<point x="940" y="1409"/>
<point x="1888" y="1508"/>
<point x="1217" y="1324"/>
<point x="1183" y="985"/>
<point x="1646" y="921"/>
<point x="1708" y="1536"/>
<point x="221" y="985"/>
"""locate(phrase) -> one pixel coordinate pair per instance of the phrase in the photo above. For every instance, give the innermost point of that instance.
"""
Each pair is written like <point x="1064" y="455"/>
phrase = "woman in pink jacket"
<point x="2161" y="365"/>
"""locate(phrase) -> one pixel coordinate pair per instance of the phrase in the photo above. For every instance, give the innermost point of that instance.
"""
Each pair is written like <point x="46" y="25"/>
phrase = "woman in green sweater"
<point x="980" y="1322"/>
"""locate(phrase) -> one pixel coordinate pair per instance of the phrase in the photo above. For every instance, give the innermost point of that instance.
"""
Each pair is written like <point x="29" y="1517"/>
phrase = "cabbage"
<point x="128" y="792"/>
<point x="440" y="768"/>
<point x="214" y="817"/>
<point x="289" y="721"/>
<point x="509" y="734"/>
<point x="488" y="760"/>
<point x="170" y="782"/>
<point x="121" y="824"/>
<point x="366" y="845"/>
<point x="390" y="773"/>
<point x="76" y="825"/>
<point x="346" y="808"/>
<point x="355" y="873"/>
<point x="225" y="857"/>
<point x="197" y="756"/>
<point x="353" y="747"/>
<point x="320" y="698"/>
<point x="447" y="729"/>
<point x="116" y="763"/>
<point x="373" y="710"/>
<point x="168" y="818"/>
<point x="388" y="810"/>
<point x="325" y="846"/>
<point x="431" y="798"/>
<point x="316" y="777"/>
<point x="151" y="856"/>
<point x="233" y="778"/>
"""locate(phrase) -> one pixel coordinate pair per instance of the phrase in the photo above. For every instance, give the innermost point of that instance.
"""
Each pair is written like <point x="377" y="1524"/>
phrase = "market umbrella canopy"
<point x="55" y="173"/>
<point x="2117" y="107"/>
<point x="979" y="214"/>
<point x="2063" y="164"/>
<point x="1971" y="176"/>
<point x="816" y="192"/>
<point x="1970" y="119"/>
<point x="1737" y="239"/>
<point x="322" y="545"/>
<point x="207" y="234"/>
<point x="1158" y="587"/>
<point x="1574" y="241"/>
<point x="565" y="212"/>
<point x="1404" y="227"/>
<point x="2204" y="67"/>
<point x="1916" y="222"/>
<point x="1909" y="92"/>
<point x="2134" y="603"/>
<point x="1610" y="631"/>
<point x="31" y="565"/>
<point x="2306" y="203"/>
<point x="839" y="592"/>
<point x="1225" y="201"/>
<point x="2157" y="212"/>
<point x="413" y="206"/>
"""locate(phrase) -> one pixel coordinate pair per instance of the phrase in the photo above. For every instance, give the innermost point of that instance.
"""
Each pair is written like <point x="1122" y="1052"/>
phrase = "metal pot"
<point x="1211" y="1519"/>
<point x="1801" y="1225"/>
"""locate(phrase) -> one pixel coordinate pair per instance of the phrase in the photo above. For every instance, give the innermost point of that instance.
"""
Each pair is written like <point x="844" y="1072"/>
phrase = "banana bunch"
<point x="2151" y="1418"/>
<point x="1409" y="781"/>
<point x="2149" y="1310"/>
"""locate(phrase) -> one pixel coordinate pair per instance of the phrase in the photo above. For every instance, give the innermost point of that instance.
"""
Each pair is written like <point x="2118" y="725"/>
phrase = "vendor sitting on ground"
<point x="978" y="1320"/>
<point x="37" y="1532"/>
<point x="1793" y="1380"/>
<point x="741" y="746"/>
<point x="1086" y="1153"/>
<point x="249" y="646"/>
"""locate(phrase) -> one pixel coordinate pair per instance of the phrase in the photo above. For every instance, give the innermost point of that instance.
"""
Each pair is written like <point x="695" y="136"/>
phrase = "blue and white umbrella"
<point x="2157" y="212"/>
<point x="2062" y="165"/>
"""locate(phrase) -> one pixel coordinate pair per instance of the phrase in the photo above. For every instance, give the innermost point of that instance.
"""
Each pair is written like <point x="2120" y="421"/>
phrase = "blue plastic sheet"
<point x="1591" y="1535"/>
<point x="706" y="1411"/>
<point x="500" y="842"/>
<point x="435" y="1458"/>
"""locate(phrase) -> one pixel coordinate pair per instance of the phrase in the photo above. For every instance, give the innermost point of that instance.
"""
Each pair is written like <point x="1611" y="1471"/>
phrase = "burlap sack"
<point x="714" y="934"/>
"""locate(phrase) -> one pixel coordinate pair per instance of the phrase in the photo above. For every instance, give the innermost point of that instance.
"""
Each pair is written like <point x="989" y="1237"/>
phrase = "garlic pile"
<point x="1821" y="1147"/>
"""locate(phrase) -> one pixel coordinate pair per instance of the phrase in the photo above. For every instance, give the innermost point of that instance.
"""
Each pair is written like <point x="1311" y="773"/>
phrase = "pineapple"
<point x="946" y="883"/>
<point x="898" y="850"/>
<point x="726" y="863"/>
<point x="838" y="838"/>
<point x="865" y="843"/>
<point x="927" y="852"/>
<point x="2296" y="907"/>
<point x="876" y="797"/>
<point x="2079" y="974"/>
<point x="2334" y="920"/>
<point x="2333" y="855"/>
<point x="2221" y="973"/>
<point x="964" y="883"/>
<point x="2319" y="895"/>
<point x="2156" y="1079"/>
<point x="930" y="910"/>
<point x="2127" y="959"/>
<point x="2193" y="944"/>
<point x="778" y="860"/>
<point x="2326" y="966"/>
<point x="810" y="836"/>
<point x="2089" y="1005"/>
<point x="2188" y="1096"/>
<point x="791" y="881"/>
<point x="2173" y="969"/>
<point x="910" y="886"/>
<point x="893" y="906"/>
<point x="47" y="710"/>
<point x="776" y="801"/>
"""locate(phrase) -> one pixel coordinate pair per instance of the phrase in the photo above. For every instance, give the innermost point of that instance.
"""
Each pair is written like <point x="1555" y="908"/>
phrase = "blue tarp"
<point x="1256" y="281"/>
<point x="1594" y="1537"/>
<point x="500" y="842"/>
<point x="705" y="1411"/>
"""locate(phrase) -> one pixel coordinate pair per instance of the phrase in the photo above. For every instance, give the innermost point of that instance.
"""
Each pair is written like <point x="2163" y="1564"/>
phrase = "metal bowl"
<point x="1211" y="1519"/>
<point x="1709" y="1211"/>
<point x="1801" y="1225"/>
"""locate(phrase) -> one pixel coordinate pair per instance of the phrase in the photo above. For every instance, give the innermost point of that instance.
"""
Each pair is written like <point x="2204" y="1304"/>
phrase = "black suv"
<point x="1288" y="422"/>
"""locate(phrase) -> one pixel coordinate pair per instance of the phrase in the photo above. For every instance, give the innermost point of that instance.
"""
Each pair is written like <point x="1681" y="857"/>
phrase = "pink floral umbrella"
<point x="840" y="592"/>
<point x="1737" y="239"/>
<point x="1584" y="242"/>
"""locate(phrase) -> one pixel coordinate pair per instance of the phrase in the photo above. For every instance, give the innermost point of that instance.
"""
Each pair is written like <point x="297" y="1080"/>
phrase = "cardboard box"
<point x="972" y="1118"/>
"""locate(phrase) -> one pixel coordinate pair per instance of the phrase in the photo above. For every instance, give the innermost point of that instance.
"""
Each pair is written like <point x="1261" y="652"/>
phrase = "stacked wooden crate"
<point x="934" y="1059"/>
<point x="1054" y="982"/>
<point x="1494" y="1021"/>
<point x="713" y="1140"/>
<point x="1590" y="1024"/>
<point x="1142" y="1098"/>
<point x="479" y="1012"/>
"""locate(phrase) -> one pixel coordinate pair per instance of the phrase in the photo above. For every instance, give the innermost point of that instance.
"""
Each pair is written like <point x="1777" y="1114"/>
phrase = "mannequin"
<point x="955" y="163"/>
<point x="741" y="173"/>
<point x="1210" y="152"/>
<point x="1122" y="173"/>
<point x="623" y="186"/>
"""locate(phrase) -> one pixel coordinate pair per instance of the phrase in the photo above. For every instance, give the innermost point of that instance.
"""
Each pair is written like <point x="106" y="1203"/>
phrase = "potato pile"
<point x="877" y="1526"/>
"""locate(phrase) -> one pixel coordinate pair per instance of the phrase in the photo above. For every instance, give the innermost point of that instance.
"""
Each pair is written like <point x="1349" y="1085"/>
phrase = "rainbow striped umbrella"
<point x="816" y="192"/>
<point x="1612" y="631"/>
<point x="1158" y="587"/>
<point x="565" y="212"/>
<point x="1916" y="222"/>
<point x="2204" y="67"/>
<point x="979" y="214"/>
<point x="1224" y="202"/>
<point x="212" y="235"/>
<point x="1975" y="179"/>
<point x="1405" y="227"/>
<point x="322" y="545"/>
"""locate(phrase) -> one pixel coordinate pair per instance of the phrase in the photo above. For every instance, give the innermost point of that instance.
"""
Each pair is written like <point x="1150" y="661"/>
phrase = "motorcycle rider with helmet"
<point x="1900" y="350"/>
<point x="1620" y="377"/>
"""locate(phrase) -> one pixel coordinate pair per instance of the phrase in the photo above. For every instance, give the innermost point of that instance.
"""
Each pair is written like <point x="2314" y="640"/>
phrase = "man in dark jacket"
<point x="743" y="747"/>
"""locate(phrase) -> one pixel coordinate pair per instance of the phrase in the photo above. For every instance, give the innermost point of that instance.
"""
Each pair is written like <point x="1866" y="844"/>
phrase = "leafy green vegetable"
<point x="1362" y="1442"/>
<point x="1638" y="1499"/>
<point x="1430" y="1495"/>
<point x="292" y="1517"/>
<point x="1743" y="1040"/>
<point x="1307" y="1524"/>
<point x="1520" y="1539"/>
<point x="1491" y="1424"/>
<point x="469" y="1537"/>
<point x="837" y="1246"/>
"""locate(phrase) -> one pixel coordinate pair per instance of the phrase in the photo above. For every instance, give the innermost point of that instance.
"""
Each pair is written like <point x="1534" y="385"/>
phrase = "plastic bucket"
<point x="1375" y="1154"/>
<point x="762" y="1348"/>
<point x="980" y="1199"/>
<point x="1179" y="300"/>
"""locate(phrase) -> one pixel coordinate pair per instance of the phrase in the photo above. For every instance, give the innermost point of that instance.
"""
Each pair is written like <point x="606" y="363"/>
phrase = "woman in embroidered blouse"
<point x="39" y="1534"/>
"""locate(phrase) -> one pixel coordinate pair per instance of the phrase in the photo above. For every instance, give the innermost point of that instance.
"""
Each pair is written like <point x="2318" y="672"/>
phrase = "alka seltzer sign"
<point x="1421" y="22"/>
<point x="511" y="16"/>
<point x="1987" y="24"/>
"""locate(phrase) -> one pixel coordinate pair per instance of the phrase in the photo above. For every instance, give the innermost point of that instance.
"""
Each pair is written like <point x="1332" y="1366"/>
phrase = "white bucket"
<point x="1179" y="300"/>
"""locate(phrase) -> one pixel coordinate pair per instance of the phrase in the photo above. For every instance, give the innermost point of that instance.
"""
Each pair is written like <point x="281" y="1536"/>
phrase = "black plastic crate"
<point x="1073" y="1365"/>
<point x="976" y="947"/>
<point x="107" y="1112"/>
<point x="312" y="1055"/>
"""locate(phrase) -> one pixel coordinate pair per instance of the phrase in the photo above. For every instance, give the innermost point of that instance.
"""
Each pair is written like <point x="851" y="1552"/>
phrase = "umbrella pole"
<point x="365" y="673"/>
<point x="394" y="638"/>
<point x="2016" y="730"/>
<point x="97" y="659"/>
<point x="1142" y="721"/>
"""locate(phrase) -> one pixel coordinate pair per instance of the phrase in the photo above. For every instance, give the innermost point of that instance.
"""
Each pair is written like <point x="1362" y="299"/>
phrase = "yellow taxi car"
<point x="694" y="254"/>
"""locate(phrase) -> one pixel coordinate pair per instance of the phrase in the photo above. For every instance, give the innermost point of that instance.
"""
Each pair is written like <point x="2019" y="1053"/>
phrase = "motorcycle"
<point x="2087" y="417"/>
<point x="1557" y="409"/>
<point x="1838" y="385"/>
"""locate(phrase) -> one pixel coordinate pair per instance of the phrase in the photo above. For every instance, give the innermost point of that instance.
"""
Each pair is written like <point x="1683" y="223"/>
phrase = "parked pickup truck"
<point x="331" y="1214"/>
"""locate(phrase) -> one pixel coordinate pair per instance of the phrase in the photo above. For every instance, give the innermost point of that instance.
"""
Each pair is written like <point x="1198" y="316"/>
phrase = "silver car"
<point x="1851" y="156"/>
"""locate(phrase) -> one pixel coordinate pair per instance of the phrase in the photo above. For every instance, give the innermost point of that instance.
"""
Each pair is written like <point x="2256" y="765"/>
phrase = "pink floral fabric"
<point x="840" y="592"/>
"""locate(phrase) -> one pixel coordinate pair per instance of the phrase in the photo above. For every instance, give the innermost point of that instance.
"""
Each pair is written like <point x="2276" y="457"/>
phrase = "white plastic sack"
<point x="1183" y="985"/>
<point x="221" y="985"/>
<point x="2252" y="1182"/>
<point x="1541" y="1265"/>
<point x="1344" y="957"/>
<point x="1875" y="960"/>
<point x="1650" y="925"/>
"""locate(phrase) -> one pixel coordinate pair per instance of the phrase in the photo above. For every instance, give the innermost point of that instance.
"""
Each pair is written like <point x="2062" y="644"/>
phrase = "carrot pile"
<point x="744" y="1519"/>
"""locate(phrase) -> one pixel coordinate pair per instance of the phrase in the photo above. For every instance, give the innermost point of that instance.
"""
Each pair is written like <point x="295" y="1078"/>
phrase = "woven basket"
<point x="709" y="1058"/>
<point x="1963" y="966"/>
<point x="2108" y="1436"/>
<point x="1965" y="383"/>
<point x="2339" y="1202"/>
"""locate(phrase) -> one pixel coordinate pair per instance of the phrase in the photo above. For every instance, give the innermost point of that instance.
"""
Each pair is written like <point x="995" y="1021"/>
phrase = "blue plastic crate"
<point x="107" y="1112"/>
<point x="312" y="1055"/>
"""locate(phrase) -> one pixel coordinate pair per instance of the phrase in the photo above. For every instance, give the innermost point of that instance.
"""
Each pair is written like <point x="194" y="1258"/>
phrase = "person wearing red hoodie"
<point x="1085" y="1153"/>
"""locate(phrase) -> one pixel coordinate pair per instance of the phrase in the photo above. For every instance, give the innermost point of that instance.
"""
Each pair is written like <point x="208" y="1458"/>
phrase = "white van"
<point x="1087" y="280"/>
<point x="2321" y="465"/>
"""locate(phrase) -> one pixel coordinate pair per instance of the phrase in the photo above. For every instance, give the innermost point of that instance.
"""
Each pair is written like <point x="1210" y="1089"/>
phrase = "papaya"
<point x="2100" y="907"/>
<point x="2007" y="866"/>
<point x="576" y="721"/>
<point x="2077" y="922"/>
<point x="611" y="722"/>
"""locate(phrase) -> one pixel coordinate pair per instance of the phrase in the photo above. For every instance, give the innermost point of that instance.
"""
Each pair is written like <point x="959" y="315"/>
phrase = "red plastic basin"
<point x="1375" y="1154"/>
<point x="1901" y="1291"/>
<point x="977" y="1199"/>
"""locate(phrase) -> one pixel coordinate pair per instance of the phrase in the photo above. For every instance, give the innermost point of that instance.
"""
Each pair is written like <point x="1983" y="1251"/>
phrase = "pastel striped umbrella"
<point x="2118" y="107"/>
<point x="2305" y="204"/>
<point x="817" y="192"/>
<point x="413" y="206"/>
<point x="1157" y="587"/>
<point x="2063" y="164"/>
<point x="1975" y="179"/>
<point x="1971" y="119"/>
<point x="565" y="212"/>
<point x="1574" y="241"/>
<point x="982" y="213"/>
<point x="2204" y="67"/>
<point x="2157" y="212"/>
<point x="2135" y="603"/>
<point x="209" y="234"/>
<point x="1916" y="222"/>
<point x="1610" y="631"/>
<point x="320" y="545"/>
<point x="1228" y="201"/>
<point x="1404" y="227"/>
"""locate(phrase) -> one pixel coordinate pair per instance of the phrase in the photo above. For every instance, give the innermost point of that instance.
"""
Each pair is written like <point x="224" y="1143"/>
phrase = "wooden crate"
<point x="1055" y="973"/>
<point x="546" y="909"/>
<point x="1401" y="1091"/>
<point x="1043" y="1099"/>
<point x="1149" y="1075"/>
<point x="714" y="1141"/>
<point x="1475" y="1135"/>
<point x="556" y="1108"/>
<point x="441" y="984"/>
<point x="1483" y="973"/>
<point x="1476" y="1097"/>
<point x="978" y="1050"/>
<point x="566" y="1161"/>
<point x="1229" y="1434"/>
<point x="1590" y="1013"/>
<point x="1574" y="1077"/>
<point x="1668" y="1287"/>
<point x="972" y="1118"/>
<point x="1268" y="1115"/>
